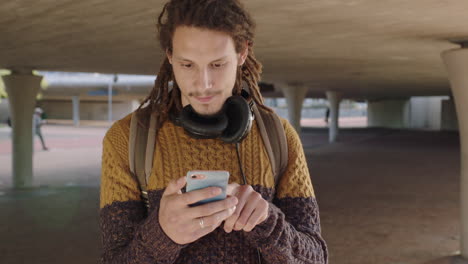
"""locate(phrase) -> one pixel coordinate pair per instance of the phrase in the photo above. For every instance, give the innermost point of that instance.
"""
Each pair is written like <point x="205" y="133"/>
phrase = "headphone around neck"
<point x="231" y="124"/>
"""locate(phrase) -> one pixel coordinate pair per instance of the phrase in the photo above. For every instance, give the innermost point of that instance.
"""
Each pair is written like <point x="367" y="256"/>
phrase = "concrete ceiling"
<point x="365" y="48"/>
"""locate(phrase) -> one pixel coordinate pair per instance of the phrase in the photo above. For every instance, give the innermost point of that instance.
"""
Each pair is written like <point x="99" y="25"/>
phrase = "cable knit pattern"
<point x="115" y="178"/>
<point x="295" y="182"/>
<point x="291" y="233"/>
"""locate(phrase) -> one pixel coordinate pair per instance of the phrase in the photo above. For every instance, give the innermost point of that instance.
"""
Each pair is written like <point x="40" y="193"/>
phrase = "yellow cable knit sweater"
<point x="131" y="235"/>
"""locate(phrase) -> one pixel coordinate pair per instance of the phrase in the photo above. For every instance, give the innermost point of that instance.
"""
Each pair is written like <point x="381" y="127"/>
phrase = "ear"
<point x="169" y="56"/>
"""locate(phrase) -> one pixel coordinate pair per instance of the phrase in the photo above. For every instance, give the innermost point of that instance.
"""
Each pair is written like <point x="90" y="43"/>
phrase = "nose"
<point x="204" y="80"/>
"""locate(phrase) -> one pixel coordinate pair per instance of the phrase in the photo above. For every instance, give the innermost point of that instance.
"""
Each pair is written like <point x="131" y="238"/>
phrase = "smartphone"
<point x="199" y="179"/>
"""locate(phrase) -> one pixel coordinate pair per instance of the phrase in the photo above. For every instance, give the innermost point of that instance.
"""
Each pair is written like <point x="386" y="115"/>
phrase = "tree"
<point x="3" y="93"/>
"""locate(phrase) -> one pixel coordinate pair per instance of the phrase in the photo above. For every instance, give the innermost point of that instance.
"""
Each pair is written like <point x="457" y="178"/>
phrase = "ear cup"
<point x="203" y="126"/>
<point x="240" y="119"/>
<point x="231" y="124"/>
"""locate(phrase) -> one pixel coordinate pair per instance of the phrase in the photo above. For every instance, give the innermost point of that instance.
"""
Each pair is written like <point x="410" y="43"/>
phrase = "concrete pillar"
<point x="22" y="88"/>
<point x="390" y="113"/>
<point x="456" y="62"/>
<point x="295" y="98"/>
<point x="76" y="110"/>
<point x="449" y="121"/>
<point x="334" y="99"/>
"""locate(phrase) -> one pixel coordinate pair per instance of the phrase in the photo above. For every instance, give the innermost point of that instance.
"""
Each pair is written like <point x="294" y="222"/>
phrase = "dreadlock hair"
<point x="228" y="16"/>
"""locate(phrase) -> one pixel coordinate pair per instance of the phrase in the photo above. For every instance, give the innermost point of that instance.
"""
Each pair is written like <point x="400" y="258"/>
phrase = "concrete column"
<point x="76" y="110"/>
<point x="22" y="88"/>
<point x="456" y="62"/>
<point x="334" y="99"/>
<point x="390" y="113"/>
<point x="449" y="120"/>
<point x="295" y="98"/>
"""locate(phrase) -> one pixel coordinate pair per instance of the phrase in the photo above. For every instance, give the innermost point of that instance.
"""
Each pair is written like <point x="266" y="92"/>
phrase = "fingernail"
<point x="233" y="209"/>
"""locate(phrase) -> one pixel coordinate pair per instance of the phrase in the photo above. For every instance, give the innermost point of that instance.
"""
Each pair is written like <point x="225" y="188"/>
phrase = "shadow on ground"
<point x="50" y="225"/>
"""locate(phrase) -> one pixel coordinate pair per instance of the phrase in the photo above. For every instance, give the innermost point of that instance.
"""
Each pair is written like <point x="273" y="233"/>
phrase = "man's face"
<point x="205" y="64"/>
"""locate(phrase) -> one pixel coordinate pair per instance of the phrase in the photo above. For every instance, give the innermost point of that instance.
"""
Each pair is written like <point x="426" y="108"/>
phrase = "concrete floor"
<point x="385" y="196"/>
<point x="391" y="197"/>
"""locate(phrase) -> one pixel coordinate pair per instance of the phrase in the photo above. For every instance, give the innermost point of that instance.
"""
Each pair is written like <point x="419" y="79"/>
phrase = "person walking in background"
<point x="38" y="122"/>
<point x="327" y="114"/>
<point x="10" y="125"/>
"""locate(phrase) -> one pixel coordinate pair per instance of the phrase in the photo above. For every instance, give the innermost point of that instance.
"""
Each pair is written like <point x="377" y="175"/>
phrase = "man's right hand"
<point x="184" y="224"/>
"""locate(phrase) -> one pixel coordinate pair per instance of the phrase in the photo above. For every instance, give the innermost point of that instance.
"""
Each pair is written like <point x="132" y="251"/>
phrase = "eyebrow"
<point x="184" y="59"/>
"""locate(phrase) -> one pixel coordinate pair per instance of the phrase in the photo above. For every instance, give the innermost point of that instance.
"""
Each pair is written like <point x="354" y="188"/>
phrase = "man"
<point x="327" y="114"/>
<point x="209" y="58"/>
<point x="38" y="122"/>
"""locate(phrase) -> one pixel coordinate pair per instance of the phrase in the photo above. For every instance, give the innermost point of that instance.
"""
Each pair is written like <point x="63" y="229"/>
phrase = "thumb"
<point x="175" y="186"/>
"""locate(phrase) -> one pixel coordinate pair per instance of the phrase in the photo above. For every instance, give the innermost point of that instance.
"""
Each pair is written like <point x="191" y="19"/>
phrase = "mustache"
<point x="199" y="94"/>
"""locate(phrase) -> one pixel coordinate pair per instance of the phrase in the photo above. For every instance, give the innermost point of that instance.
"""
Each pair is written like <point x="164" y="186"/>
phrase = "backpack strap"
<point x="141" y="150"/>
<point x="274" y="139"/>
<point x="142" y="145"/>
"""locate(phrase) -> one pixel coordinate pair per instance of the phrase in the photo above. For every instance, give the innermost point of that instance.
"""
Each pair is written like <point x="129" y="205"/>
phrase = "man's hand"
<point x="184" y="224"/>
<point x="251" y="210"/>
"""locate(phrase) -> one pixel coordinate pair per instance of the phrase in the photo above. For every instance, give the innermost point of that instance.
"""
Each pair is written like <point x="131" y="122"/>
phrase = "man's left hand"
<point x="251" y="209"/>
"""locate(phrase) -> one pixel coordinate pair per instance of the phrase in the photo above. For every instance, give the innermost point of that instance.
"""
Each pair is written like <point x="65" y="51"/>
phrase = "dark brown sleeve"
<point x="129" y="237"/>
<point x="291" y="233"/>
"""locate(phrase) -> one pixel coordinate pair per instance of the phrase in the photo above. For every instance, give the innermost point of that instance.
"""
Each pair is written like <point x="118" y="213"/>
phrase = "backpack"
<point x="142" y="144"/>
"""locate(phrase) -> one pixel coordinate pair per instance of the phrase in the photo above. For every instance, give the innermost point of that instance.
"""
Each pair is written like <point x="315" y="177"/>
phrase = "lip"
<point x="204" y="99"/>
